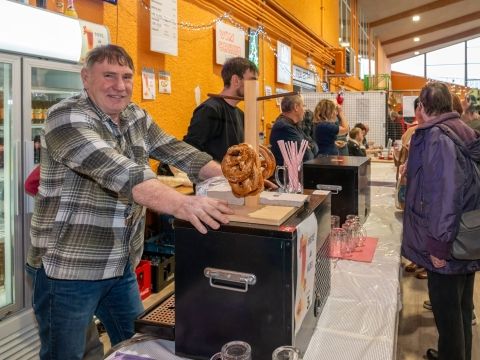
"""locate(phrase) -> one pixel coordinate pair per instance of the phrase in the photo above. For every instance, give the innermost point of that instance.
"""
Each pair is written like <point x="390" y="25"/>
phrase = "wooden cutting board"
<point x="262" y="214"/>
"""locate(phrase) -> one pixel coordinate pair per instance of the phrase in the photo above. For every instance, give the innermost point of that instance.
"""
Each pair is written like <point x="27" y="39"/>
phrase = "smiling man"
<point x="87" y="227"/>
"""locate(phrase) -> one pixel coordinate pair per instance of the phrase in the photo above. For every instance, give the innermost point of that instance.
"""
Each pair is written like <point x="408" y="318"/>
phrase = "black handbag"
<point x="466" y="245"/>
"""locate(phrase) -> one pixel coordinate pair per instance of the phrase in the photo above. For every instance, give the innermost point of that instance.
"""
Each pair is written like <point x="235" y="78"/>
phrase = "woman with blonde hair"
<point x="326" y="130"/>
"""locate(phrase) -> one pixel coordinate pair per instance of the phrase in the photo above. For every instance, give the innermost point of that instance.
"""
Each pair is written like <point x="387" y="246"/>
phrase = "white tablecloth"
<point x="359" y="320"/>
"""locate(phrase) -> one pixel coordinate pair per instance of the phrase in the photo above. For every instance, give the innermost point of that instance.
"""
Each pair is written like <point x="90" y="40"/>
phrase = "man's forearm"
<point x="210" y="169"/>
<point x="157" y="196"/>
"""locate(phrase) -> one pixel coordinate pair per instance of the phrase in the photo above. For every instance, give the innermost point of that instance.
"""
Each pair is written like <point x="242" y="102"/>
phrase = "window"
<point x="447" y="64"/>
<point x="473" y="63"/>
<point x="413" y="66"/>
<point x="345" y="23"/>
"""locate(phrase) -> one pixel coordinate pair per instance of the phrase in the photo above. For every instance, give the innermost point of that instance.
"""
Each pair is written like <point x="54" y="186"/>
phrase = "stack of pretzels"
<point x="245" y="170"/>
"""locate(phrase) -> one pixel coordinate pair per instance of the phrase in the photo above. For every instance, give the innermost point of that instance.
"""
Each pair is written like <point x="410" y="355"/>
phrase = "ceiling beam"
<point x="462" y="35"/>
<point x="415" y="11"/>
<point x="447" y="24"/>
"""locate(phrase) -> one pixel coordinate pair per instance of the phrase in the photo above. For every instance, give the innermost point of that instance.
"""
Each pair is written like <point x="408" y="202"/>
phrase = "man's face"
<point x="299" y="111"/>
<point x="110" y="87"/>
<point x="247" y="75"/>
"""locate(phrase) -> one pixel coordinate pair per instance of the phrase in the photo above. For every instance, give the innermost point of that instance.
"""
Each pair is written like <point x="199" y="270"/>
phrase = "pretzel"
<point x="268" y="162"/>
<point x="242" y="168"/>
<point x="238" y="162"/>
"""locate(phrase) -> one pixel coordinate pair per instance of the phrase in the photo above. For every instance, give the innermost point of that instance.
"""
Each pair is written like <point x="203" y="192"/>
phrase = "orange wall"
<point x="128" y="23"/>
<point x="383" y="64"/>
<point x="401" y="81"/>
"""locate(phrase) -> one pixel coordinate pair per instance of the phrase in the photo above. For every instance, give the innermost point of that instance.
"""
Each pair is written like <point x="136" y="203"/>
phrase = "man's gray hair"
<point x="289" y="102"/>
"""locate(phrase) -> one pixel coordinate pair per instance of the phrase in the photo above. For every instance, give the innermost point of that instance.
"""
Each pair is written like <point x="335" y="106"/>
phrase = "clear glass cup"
<point x="286" y="353"/>
<point x="291" y="180"/>
<point x="338" y="242"/>
<point x="335" y="221"/>
<point x="353" y="217"/>
<point x="350" y="239"/>
<point x="234" y="350"/>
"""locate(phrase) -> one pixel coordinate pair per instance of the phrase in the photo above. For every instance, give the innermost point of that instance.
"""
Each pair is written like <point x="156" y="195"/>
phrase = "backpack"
<point x="466" y="245"/>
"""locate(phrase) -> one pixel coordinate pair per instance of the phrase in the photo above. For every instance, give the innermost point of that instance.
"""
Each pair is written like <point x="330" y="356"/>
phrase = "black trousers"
<point x="452" y="304"/>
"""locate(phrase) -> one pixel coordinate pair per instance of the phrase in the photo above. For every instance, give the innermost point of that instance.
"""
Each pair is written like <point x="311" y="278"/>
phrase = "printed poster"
<point x="93" y="35"/>
<point x="229" y="42"/>
<point x="164" y="82"/>
<point x="306" y="258"/>
<point x="148" y="84"/>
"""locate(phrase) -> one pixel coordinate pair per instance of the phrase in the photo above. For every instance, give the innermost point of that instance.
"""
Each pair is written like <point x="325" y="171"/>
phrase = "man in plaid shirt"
<point x="87" y="226"/>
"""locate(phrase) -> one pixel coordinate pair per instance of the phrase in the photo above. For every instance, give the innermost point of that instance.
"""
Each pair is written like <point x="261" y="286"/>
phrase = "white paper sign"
<point x="408" y="108"/>
<point x="306" y="258"/>
<point x="284" y="63"/>
<point x="163" y="26"/>
<point x="164" y="82"/>
<point x="93" y="35"/>
<point x="229" y="42"/>
<point x="148" y="84"/>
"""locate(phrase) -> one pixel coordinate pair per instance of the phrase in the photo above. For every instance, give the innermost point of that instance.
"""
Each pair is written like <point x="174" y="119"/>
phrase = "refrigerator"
<point x="28" y="87"/>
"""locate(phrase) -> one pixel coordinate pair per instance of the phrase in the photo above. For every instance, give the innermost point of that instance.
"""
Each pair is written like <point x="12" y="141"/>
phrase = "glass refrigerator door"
<point x="11" y="255"/>
<point x="45" y="84"/>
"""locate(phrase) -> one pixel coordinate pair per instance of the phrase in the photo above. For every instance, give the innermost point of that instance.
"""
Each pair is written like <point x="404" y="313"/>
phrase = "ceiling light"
<point x="416" y="39"/>
<point x="416" y="18"/>
<point x="416" y="53"/>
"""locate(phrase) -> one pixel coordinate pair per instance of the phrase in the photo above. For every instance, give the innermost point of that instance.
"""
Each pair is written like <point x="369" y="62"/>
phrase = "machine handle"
<point x="229" y="280"/>
<point x="335" y="189"/>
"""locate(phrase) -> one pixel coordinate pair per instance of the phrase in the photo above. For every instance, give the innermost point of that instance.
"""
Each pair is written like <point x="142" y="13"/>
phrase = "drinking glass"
<point x="286" y="353"/>
<point x="234" y="350"/>
<point x="335" y="221"/>
<point x="338" y="242"/>
<point x="292" y="179"/>
<point x="350" y="240"/>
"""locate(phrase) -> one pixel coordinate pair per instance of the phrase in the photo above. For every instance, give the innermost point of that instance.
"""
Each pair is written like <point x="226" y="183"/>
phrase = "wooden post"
<point x="251" y="126"/>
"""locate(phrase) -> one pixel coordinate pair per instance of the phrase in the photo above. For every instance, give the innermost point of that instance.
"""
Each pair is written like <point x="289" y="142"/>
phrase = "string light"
<point x="259" y="31"/>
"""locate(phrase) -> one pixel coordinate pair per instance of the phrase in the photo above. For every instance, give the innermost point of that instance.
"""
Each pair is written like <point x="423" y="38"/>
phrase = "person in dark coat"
<point x="441" y="186"/>
<point x="218" y="123"/>
<point x="355" y="141"/>
<point x="286" y="127"/>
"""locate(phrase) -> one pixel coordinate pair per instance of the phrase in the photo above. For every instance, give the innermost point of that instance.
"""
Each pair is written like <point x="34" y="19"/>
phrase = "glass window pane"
<point x="413" y="66"/>
<point x="454" y="54"/>
<point x="448" y="73"/>
<point x="473" y="63"/>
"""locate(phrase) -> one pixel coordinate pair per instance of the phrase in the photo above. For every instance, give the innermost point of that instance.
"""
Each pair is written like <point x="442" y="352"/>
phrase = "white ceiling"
<point x="442" y="23"/>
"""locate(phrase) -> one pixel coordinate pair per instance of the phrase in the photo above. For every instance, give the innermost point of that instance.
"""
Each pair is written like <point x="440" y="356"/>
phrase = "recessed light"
<point x="416" y="18"/>
<point x="416" y="39"/>
<point x="416" y="53"/>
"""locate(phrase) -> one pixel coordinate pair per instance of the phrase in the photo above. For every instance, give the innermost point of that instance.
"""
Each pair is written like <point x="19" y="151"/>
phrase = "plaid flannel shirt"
<point x="86" y="225"/>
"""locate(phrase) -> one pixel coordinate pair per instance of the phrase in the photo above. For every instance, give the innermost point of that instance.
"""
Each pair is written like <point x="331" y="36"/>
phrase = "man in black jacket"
<point x="218" y="123"/>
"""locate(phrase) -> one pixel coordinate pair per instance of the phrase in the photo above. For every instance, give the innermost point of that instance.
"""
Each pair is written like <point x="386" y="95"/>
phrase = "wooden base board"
<point x="262" y="214"/>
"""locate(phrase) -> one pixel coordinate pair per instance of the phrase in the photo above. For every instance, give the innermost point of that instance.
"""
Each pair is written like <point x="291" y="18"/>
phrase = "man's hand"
<point x="201" y="211"/>
<point x="438" y="263"/>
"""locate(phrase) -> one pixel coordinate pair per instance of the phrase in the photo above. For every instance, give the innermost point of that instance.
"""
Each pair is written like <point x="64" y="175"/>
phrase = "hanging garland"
<point x="259" y="31"/>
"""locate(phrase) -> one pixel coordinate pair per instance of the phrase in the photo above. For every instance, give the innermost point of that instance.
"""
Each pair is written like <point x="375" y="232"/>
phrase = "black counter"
<point x="352" y="173"/>
<point x="206" y="316"/>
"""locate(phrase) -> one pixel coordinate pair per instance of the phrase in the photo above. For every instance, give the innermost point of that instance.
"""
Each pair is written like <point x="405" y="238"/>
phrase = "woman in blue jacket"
<point x="441" y="186"/>
<point x="326" y="130"/>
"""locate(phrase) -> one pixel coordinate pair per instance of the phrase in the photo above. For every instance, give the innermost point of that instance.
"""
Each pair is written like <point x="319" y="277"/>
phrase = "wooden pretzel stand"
<point x="254" y="212"/>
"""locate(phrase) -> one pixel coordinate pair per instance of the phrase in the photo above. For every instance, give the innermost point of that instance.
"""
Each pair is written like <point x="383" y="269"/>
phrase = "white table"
<point x="360" y="317"/>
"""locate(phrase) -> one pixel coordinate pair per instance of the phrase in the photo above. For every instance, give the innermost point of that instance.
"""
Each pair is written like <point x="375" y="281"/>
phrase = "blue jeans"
<point x="64" y="309"/>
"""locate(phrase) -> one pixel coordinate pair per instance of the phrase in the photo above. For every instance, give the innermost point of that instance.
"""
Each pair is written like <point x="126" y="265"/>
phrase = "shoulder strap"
<point x="455" y="138"/>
